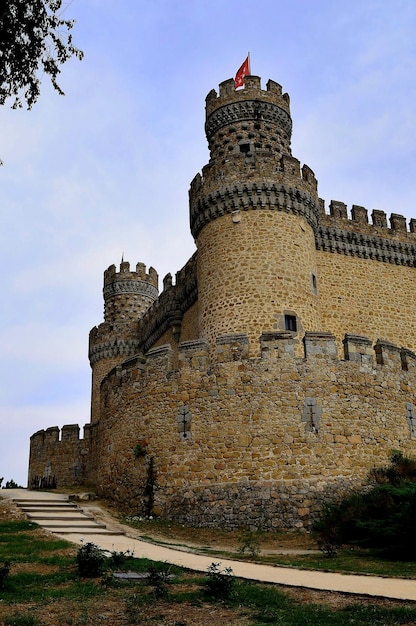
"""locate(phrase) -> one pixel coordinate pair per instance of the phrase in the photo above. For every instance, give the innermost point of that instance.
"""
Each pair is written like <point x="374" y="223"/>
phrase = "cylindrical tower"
<point x="253" y="213"/>
<point x="127" y="297"/>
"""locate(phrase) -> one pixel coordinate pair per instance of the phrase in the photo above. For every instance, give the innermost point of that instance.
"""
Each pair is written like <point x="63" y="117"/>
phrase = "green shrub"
<point x="219" y="583"/>
<point x="381" y="516"/>
<point x="21" y="619"/>
<point x="4" y="573"/>
<point x="90" y="560"/>
<point x="158" y="579"/>
<point x="249" y="542"/>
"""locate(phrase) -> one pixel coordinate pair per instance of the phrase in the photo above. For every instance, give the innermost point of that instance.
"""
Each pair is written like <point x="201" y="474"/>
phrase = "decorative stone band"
<point x="115" y="348"/>
<point x="136" y="287"/>
<point x="248" y="110"/>
<point x="252" y="196"/>
<point x="365" y="246"/>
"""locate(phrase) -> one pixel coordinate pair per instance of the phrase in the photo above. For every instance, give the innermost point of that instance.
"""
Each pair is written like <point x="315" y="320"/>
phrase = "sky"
<point x="104" y="171"/>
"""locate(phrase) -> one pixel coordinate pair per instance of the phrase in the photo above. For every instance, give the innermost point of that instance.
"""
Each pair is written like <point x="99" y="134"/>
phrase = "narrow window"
<point x="290" y="323"/>
<point x="314" y="284"/>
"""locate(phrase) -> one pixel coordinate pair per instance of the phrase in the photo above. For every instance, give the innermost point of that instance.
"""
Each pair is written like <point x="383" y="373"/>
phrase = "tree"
<point x="34" y="40"/>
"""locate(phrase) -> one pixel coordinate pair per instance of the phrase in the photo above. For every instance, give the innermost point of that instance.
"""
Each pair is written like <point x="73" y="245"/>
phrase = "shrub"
<point x="219" y="583"/>
<point x="4" y="573"/>
<point x="249" y="542"/>
<point x="21" y="619"/>
<point x="158" y="578"/>
<point x="381" y="516"/>
<point x="90" y="560"/>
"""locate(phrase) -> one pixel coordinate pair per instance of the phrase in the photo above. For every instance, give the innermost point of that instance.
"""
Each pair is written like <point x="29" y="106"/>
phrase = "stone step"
<point x="69" y="530"/>
<point x="79" y="521"/>
<point x="51" y="507"/>
<point x="45" y="503"/>
<point x="60" y="517"/>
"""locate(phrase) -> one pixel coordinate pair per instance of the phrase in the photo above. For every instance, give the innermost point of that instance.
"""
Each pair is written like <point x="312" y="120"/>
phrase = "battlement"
<point x="359" y="220"/>
<point x="251" y="91"/>
<point x="111" y="275"/>
<point x="54" y="434"/>
<point x="274" y="347"/>
<point x="168" y="310"/>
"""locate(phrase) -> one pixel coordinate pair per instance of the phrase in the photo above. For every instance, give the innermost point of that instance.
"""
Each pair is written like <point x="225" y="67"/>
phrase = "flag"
<point x="242" y="73"/>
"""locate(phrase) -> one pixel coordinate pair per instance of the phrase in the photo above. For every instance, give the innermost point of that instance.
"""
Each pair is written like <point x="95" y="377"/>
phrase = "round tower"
<point x="253" y="213"/>
<point x="127" y="297"/>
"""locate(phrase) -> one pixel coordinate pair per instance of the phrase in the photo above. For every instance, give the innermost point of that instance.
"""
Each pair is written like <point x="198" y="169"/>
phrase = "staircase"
<point x="61" y="516"/>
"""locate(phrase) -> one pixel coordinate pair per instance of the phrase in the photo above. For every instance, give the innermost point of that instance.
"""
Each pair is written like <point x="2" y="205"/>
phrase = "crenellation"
<point x="232" y="347"/>
<point x="359" y="214"/>
<point x="379" y="219"/>
<point x="70" y="432"/>
<point x="408" y="359"/>
<point x="52" y="434"/>
<point x="276" y="345"/>
<point x="359" y="349"/>
<point x="398" y="222"/>
<point x="388" y="354"/>
<point x="194" y="354"/>
<point x="338" y="209"/>
<point x="320" y="345"/>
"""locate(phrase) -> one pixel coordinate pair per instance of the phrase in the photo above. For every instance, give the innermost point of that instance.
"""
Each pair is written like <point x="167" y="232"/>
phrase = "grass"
<point x="44" y="589"/>
<point x="227" y="545"/>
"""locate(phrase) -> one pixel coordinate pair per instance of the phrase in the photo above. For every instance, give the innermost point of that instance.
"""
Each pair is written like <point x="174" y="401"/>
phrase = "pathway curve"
<point x="54" y="512"/>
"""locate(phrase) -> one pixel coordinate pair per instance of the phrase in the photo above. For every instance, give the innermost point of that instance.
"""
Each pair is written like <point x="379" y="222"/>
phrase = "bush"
<point x="4" y="573"/>
<point x="90" y="560"/>
<point x="249" y="542"/>
<point x="381" y="516"/>
<point x="219" y="583"/>
<point x="10" y="484"/>
<point x="158" y="579"/>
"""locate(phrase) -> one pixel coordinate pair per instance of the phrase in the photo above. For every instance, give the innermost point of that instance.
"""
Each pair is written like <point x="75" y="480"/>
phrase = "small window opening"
<point x="290" y="323"/>
<point x="245" y="148"/>
<point x="314" y="284"/>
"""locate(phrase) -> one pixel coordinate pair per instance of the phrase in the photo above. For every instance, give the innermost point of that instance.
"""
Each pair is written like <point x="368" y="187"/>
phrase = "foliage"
<point x="150" y="486"/>
<point x="119" y="559"/>
<point x="159" y="575"/>
<point x="381" y="516"/>
<point x="249" y="542"/>
<point x="11" y="484"/>
<point x="139" y="451"/>
<point x="21" y="619"/>
<point x="34" y="40"/>
<point x="401" y="468"/>
<point x="90" y="560"/>
<point x="219" y="582"/>
<point x="4" y="573"/>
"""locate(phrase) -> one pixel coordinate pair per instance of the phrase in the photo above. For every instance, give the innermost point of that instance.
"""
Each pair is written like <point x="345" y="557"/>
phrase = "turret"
<point x="127" y="297"/>
<point x="253" y="213"/>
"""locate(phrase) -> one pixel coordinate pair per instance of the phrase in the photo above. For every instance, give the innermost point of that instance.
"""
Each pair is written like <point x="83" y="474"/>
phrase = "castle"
<point x="271" y="374"/>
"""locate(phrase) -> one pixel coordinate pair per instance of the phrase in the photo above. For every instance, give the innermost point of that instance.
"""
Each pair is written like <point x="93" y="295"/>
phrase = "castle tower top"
<point x="128" y="294"/>
<point x="252" y="103"/>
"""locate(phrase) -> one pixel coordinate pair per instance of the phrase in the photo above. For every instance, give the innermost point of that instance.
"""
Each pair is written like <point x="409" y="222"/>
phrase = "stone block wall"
<point x="60" y="454"/>
<point x="241" y="441"/>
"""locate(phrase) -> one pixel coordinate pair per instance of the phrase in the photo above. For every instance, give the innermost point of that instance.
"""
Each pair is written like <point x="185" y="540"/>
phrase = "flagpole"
<point x="249" y="62"/>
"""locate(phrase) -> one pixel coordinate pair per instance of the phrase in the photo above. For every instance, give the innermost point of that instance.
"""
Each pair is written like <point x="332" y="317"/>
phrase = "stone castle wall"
<point x="61" y="455"/>
<point x="240" y="441"/>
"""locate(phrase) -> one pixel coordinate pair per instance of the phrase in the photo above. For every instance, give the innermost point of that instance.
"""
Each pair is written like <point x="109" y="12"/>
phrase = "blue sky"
<point x="105" y="170"/>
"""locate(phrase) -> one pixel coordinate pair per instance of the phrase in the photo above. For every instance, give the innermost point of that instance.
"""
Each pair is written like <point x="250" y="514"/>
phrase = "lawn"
<point x="45" y="589"/>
